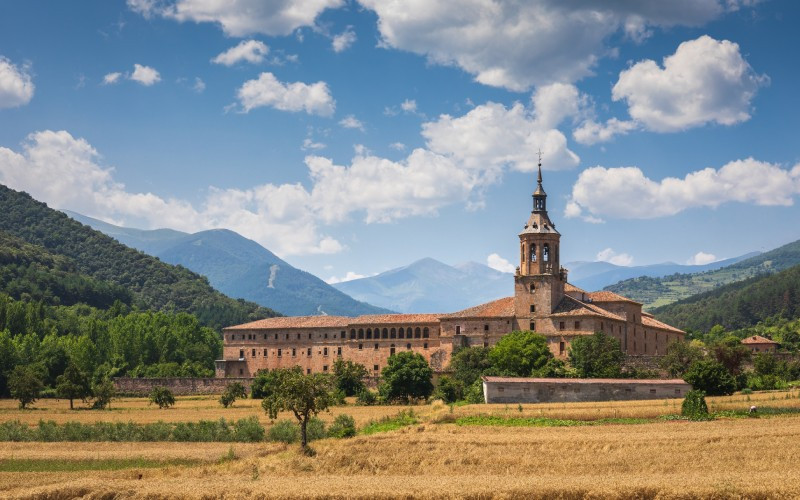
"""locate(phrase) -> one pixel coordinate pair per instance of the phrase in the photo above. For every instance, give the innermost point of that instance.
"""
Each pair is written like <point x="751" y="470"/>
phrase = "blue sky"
<point x="353" y="137"/>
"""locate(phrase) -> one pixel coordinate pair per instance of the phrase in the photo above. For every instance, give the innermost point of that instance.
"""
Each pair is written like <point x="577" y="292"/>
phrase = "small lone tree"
<point x="25" y="383"/>
<point x="73" y="384"/>
<point x="349" y="377"/>
<point x="232" y="392"/>
<point x="162" y="397"/>
<point x="694" y="405"/>
<point x="103" y="391"/>
<point x="596" y="356"/>
<point x="303" y="395"/>
<point x="406" y="376"/>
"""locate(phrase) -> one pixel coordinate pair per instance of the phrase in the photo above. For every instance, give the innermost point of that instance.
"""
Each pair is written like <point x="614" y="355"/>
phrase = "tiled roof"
<point x="511" y="380"/>
<point x="758" y="339"/>
<point x="295" y="322"/>
<point x="569" y="287"/>
<point x="606" y="296"/>
<point x="372" y="319"/>
<point x="286" y="322"/>
<point x="573" y="307"/>
<point x="500" y="308"/>
<point x="654" y="323"/>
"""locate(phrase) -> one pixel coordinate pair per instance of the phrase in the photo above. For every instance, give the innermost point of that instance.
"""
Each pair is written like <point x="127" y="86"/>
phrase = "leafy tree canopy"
<point x="520" y="354"/>
<point x="349" y="377"/>
<point x="596" y="356"/>
<point x="405" y="377"/>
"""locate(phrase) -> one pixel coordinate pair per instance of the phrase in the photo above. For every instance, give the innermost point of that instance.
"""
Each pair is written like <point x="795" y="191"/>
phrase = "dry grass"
<point x="756" y="458"/>
<point x="729" y="458"/>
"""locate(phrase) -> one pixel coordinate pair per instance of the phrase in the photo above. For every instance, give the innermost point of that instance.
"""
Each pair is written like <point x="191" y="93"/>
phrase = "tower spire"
<point x="539" y="178"/>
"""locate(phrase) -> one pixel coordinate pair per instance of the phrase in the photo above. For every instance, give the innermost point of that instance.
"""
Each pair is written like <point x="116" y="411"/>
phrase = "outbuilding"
<point x="545" y="390"/>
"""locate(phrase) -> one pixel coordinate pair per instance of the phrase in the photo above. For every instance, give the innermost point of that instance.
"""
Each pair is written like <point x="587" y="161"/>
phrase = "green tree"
<point x="349" y="377"/>
<point x="8" y="360"/>
<point x="469" y="363"/>
<point x="694" y="405"/>
<point x="448" y="390"/>
<point x="711" y="377"/>
<point x="406" y="376"/>
<point x="162" y="397"/>
<point x="231" y="393"/>
<point x="679" y="357"/>
<point x="263" y="384"/>
<point x="73" y="384"/>
<point x="303" y="395"/>
<point x="731" y="353"/>
<point x="520" y="354"/>
<point x="596" y="356"/>
<point x="103" y="391"/>
<point x="765" y="364"/>
<point x="25" y="383"/>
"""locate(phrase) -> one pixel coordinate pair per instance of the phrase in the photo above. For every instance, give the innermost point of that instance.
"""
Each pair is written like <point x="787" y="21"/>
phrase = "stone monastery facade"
<point x="543" y="302"/>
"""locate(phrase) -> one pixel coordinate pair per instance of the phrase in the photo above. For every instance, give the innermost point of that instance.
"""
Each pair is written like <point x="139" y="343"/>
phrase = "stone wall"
<point x="542" y="390"/>
<point x="182" y="386"/>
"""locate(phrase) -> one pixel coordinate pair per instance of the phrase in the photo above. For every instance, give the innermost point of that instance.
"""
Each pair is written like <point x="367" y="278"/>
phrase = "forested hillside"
<point x="738" y="305"/>
<point x="86" y="254"/>
<point x="656" y="292"/>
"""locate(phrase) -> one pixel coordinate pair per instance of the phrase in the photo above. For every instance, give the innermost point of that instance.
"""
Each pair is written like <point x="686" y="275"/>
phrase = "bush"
<point x="765" y="382"/>
<point x="474" y="393"/>
<point x="711" y="377"/>
<point x="103" y="392"/>
<point x="284" y="431"/>
<point x="316" y="429"/>
<point x="248" y="430"/>
<point x="232" y="392"/>
<point x="162" y="397"/>
<point x="694" y="406"/>
<point x="367" y="398"/>
<point x="342" y="427"/>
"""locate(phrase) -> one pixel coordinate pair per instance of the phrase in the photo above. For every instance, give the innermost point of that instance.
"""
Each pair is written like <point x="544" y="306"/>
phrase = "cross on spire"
<point x="539" y="178"/>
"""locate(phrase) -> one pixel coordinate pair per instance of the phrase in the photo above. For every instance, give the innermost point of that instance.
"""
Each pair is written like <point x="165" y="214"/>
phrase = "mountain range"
<point x="238" y="267"/>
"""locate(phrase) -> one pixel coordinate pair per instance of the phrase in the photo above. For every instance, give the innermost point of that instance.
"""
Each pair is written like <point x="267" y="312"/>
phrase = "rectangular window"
<point x="501" y="389"/>
<point x="338" y="351"/>
<point x="485" y="328"/>
<point x="458" y="330"/>
<point x="360" y="347"/>
<point x="652" y="391"/>
<point x="294" y="352"/>
<point x="577" y="325"/>
<point x="265" y="353"/>
<point x="276" y="336"/>
<point x="601" y="326"/>
<point x="326" y="335"/>
<point x="561" y="325"/>
<point x="561" y="347"/>
<point x="375" y="367"/>
<point x="325" y="351"/>
<point x="376" y="347"/>
<point x="265" y="336"/>
<point x="308" y="371"/>
<point x="533" y="308"/>
<point x="253" y="354"/>
<point x="241" y="353"/>
<point x="279" y="353"/>
<point x="425" y="345"/>
<point x="309" y="352"/>
<point x="325" y="368"/>
<point x="533" y="326"/>
<point x="298" y="336"/>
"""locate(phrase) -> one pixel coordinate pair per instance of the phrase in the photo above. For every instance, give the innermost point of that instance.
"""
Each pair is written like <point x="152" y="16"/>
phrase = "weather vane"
<point x="540" y="156"/>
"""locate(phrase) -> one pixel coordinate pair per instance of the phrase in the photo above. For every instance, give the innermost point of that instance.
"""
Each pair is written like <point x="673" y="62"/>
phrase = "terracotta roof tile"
<point x="569" y="287"/>
<point x="757" y="339"/>
<point x="654" y="323"/>
<point x="500" y="308"/>
<point x="507" y="380"/>
<point x="606" y="296"/>
<point x="372" y="319"/>
<point x="570" y="306"/>
<point x="294" y="322"/>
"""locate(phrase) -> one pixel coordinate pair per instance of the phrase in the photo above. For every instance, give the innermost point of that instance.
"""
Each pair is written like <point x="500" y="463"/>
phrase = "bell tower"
<point x="539" y="280"/>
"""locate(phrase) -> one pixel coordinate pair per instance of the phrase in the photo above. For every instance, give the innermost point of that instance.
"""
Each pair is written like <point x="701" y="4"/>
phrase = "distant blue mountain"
<point x="429" y="286"/>
<point x="598" y="275"/>
<point x="240" y="268"/>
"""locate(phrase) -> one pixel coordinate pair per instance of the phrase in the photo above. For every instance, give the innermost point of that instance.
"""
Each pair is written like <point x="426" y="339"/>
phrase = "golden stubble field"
<point x="727" y="458"/>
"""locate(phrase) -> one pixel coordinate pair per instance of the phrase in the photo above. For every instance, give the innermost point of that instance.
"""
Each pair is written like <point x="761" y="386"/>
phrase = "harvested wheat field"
<point x="725" y="458"/>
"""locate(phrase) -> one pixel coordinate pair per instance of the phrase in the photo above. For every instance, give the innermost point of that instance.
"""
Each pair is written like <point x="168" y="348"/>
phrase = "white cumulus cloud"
<point x="343" y="40"/>
<point x="701" y="258"/>
<point x="112" y="78"/>
<point x="239" y="18"/>
<point x="499" y="264"/>
<point x="517" y="45"/>
<point x="351" y="121"/>
<point x="252" y="51"/>
<point x="625" y="192"/>
<point x="16" y="84"/>
<point x="619" y="259"/>
<point x="266" y="90"/>
<point x="704" y="81"/>
<point x="145" y="75"/>
<point x="591" y="132"/>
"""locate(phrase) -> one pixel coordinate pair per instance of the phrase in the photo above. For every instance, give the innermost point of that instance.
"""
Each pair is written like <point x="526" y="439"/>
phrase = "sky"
<point x="350" y="137"/>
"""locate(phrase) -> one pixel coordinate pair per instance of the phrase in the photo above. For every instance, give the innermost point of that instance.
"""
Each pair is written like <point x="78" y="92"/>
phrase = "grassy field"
<point x="725" y="458"/>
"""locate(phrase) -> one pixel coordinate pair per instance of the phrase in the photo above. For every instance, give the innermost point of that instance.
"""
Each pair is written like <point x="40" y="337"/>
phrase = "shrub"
<point x="474" y="393"/>
<point x="366" y="398"/>
<point x="711" y="377"/>
<point x="104" y="392"/>
<point x="284" y="431"/>
<point x="162" y="397"/>
<point x="232" y="392"/>
<point x="449" y="390"/>
<point x="343" y="426"/>
<point x="316" y="429"/>
<point x="694" y="406"/>
<point x="248" y="430"/>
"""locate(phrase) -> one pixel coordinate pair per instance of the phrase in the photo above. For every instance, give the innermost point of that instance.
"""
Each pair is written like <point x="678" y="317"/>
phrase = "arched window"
<point x="385" y="333"/>
<point x="533" y="252"/>
<point x="361" y="333"/>
<point x="401" y="334"/>
<point x="393" y="333"/>
<point x="533" y="288"/>
<point x="425" y="333"/>
<point x="417" y="333"/>
<point x="522" y="257"/>
<point x="353" y="333"/>
<point x="546" y="252"/>
<point x="391" y="350"/>
<point x="369" y="333"/>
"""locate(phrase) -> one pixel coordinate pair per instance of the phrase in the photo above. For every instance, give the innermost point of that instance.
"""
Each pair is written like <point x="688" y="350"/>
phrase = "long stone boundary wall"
<point x="180" y="386"/>
<point x="548" y="390"/>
